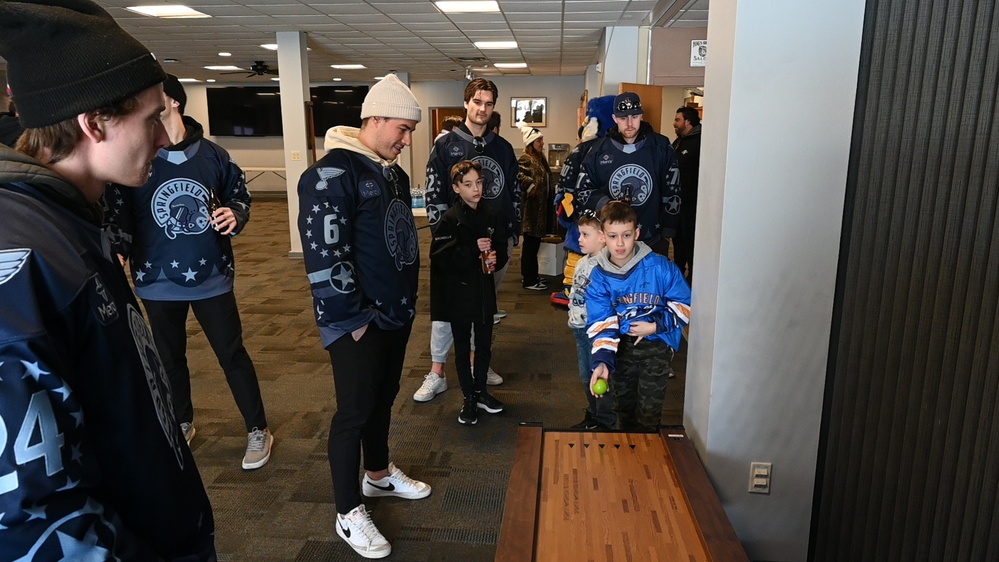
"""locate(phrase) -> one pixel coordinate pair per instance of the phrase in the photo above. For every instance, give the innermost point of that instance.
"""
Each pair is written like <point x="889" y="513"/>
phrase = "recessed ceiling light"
<point x="337" y="79"/>
<point x="449" y="7"/>
<point x="270" y="46"/>
<point x="210" y="80"/>
<point x="225" y="67"/>
<point x="167" y="11"/>
<point x="170" y="60"/>
<point x="496" y="44"/>
<point x="276" y="79"/>
<point x="224" y="54"/>
<point x="511" y="65"/>
<point x="348" y="66"/>
<point x="188" y="80"/>
<point x="379" y="77"/>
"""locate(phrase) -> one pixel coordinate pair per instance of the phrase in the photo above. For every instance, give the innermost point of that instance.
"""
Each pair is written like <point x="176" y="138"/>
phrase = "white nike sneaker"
<point x="395" y="484"/>
<point x="359" y="531"/>
<point x="433" y="384"/>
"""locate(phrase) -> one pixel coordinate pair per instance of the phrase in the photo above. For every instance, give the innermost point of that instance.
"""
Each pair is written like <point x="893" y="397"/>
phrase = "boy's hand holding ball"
<point x="598" y="382"/>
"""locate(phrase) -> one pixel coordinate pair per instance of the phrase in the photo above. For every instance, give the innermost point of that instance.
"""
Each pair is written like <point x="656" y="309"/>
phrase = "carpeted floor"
<point x="284" y="511"/>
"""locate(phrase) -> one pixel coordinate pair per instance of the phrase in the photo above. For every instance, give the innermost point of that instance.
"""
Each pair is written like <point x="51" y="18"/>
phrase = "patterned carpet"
<point x="284" y="511"/>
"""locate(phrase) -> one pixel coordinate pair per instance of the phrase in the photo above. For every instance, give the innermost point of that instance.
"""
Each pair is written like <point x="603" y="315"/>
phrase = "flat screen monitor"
<point x="252" y="111"/>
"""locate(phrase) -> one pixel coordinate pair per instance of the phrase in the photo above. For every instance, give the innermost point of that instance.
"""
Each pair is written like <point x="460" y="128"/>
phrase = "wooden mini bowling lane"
<point x="612" y="496"/>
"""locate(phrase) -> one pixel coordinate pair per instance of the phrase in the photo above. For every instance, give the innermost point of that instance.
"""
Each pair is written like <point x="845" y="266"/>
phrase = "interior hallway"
<point x="284" y="511"/>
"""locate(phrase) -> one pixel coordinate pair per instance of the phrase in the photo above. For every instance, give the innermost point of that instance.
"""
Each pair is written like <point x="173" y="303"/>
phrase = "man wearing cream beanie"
<point x="362" y="257"/>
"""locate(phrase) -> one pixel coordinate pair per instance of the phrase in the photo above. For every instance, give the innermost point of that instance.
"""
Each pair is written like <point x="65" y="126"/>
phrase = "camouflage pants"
<point x="639" y="385"/>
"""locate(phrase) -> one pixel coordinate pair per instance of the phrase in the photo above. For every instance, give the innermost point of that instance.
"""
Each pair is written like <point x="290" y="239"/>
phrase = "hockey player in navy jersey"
<point x="176" y="232"/>
<point x="362" y="256"/>
<point x="93" y="465"/>
<point x="635" y="164"/>
<point x="637" y="304"/>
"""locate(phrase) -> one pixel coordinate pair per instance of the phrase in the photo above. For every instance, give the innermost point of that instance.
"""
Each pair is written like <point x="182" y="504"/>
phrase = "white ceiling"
<point x="554" y="37"/>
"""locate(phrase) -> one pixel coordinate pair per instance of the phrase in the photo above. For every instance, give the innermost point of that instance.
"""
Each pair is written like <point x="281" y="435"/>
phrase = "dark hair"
<point x="450" y="122"/>
<point x="480" y="84"/>
<point x="459" y="170"/>
<point x="59" y="139"/>
<point x="494" y="121"/>
<point x="691" y="115"/>
<point x="617" y="212"/>
<point x="534" y="153"/>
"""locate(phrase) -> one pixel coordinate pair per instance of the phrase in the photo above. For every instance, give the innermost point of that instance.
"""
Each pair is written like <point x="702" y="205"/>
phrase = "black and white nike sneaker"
<point x="359" y="531"/>
<point x="396" y="484"/>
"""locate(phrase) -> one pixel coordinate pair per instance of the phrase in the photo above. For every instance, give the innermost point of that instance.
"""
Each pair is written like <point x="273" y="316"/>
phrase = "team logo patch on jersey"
<point x="673" y="204"/>
<point x="493" y="177"/>
<point x="180" y="206"/>
<point x="606" y="159"/>
<point x="11" y="261"/>
<point x="455" y="151"/>
<point x="633" y="178"/>
<point x="105" y="309"/>
<point x="369" y="189"/>
<point x="326" y="174"/>
<point x="400" y="234"/>
<point x="342" y="277"/>
<point x="159" y="388"/>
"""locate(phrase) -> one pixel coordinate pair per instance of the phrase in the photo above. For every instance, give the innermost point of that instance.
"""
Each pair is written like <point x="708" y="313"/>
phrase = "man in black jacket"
<point x="687" y="125"/>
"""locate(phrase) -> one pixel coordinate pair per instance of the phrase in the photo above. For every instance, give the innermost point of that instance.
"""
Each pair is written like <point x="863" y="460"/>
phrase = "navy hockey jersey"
<point x="359" y="239"/>
<point x="501" y="193"/>
<point x="163" y="227"/>
<point x="93" y="465"/>
<point x="645" y="171"/>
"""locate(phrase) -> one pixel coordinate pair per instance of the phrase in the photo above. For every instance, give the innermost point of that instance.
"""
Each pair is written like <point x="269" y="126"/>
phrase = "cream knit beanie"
<point x="391" y="98"/>
<point x="530" y="134"/>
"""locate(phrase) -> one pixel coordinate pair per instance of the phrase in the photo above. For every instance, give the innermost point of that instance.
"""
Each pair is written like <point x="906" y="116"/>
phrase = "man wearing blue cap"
<point x="636" y="165"/>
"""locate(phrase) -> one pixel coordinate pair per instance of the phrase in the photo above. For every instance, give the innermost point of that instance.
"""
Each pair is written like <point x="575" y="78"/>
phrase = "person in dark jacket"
<point x="362" y="256"/>
<point x="10" y="125"/>
<point x="176" y="231"/>
<point x="93" y="465"/>
<point x="687" y="145"/>
<point x="467" y="249"/>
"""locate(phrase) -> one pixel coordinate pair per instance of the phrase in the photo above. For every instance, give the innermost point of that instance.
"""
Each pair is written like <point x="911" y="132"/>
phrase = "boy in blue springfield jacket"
<point x="637" y="303"/>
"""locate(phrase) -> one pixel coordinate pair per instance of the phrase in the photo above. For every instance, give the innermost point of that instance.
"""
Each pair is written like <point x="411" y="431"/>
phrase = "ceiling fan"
<point x="258" y="68"/>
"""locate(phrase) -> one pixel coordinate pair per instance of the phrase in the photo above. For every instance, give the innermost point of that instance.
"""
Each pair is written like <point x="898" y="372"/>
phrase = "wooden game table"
<point x="612" y="496"/>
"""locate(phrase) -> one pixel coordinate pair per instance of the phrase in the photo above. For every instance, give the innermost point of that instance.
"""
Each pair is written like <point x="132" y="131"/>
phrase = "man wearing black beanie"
<point x="92" y="463"/>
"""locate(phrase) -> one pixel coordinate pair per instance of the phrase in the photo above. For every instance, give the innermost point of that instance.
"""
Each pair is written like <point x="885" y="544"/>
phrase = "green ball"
<point x="600" y="387"/>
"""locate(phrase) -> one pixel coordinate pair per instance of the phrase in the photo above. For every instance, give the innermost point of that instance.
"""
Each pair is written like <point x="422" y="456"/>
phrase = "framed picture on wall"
<point x="439" y="114"/>
<point x="529" y="111"/>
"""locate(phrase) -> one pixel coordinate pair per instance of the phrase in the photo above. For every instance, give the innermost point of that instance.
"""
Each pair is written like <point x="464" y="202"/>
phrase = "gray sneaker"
<point x="258" y="448"/>
<point x="187" y="428"/>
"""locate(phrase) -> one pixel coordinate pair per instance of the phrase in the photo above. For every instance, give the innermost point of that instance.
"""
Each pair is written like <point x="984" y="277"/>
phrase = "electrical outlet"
<point x="296" y="155"/>
<point x="759" y="477"/>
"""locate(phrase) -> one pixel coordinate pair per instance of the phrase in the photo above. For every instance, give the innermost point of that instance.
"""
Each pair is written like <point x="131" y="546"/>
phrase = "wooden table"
<point x="612" y="496"/>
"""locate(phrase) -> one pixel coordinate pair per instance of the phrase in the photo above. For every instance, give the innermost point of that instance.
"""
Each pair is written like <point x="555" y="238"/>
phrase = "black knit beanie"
<point x="67" y="57"/>
<point x="173" y="88"/>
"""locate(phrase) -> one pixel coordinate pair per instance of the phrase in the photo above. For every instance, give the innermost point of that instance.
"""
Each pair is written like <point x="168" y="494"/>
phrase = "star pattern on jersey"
<point x="35" y="512"/>
<point x="64" y="390"/>
<point x="76" y="455"/>
<point x="2" y="527"/>
<point x="86" y="550"/>
<point x="189" y="275"/>
<point x="343" y="279"/>
<point x="77" y="417"/>
<point x="140" y="275"/>
<point x="33" y="370"/>
<point x="175" y="264"/>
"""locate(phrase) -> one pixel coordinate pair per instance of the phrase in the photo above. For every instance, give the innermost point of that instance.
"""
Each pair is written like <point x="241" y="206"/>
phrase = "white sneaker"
<point x="258" y="448"/>
<point x="395" y="484"/>
<point x="493" y="378"/>
<point x="433" y="384"/>
<point x="500" y="313"/>
<point x="359" y="531"/>
<point x="188" y="429"/>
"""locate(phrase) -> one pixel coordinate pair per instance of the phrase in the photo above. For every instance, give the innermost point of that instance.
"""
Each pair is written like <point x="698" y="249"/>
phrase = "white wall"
<point x="563" y="93"/>
<point x="769" y="217"/>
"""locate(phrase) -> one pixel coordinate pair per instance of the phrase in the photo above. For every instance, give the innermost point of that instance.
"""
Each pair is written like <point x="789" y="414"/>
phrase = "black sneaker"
<point x="488" y="403"/>
<point x="469" y="414"/>
<point x="588" y="422"/>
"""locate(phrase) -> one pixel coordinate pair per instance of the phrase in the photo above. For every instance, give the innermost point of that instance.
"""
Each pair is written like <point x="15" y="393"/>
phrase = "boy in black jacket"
<point x="468" y="247"/>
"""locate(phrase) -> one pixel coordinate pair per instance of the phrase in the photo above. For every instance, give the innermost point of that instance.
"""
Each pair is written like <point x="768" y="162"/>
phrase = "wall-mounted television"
<point x="252" y="111"/>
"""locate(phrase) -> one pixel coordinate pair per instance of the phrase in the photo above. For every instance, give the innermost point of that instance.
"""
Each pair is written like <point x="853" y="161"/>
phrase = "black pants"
<point x="219" y="318"/>
<point x="529" y="260"/>
<point x="472" y="382"/>
<point x="366" y="376"/>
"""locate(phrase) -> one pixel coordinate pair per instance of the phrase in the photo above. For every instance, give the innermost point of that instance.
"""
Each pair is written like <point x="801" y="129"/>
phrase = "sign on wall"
<point x="698" y="52"/>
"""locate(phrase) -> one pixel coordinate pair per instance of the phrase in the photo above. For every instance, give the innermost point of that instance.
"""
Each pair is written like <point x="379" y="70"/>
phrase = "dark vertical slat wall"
<point x="909" y="458"/>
